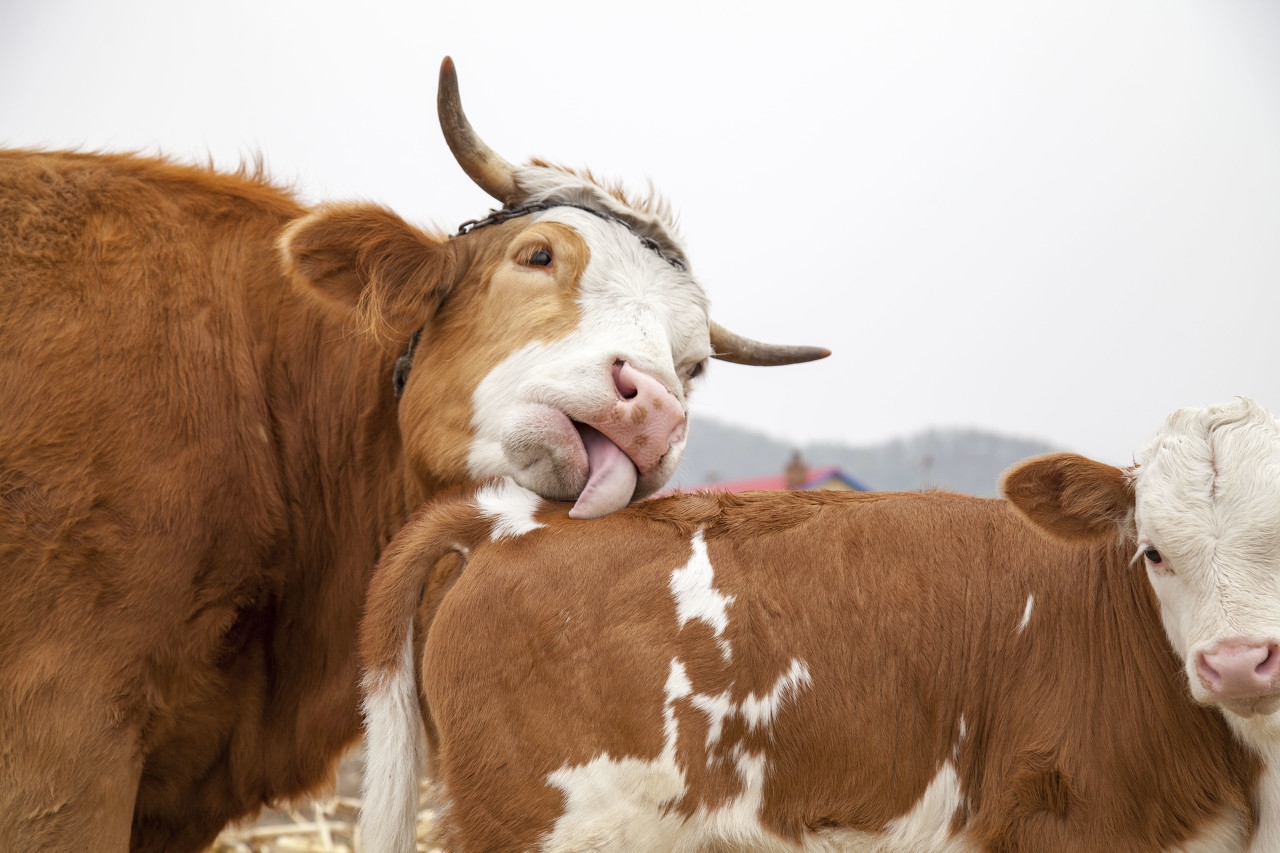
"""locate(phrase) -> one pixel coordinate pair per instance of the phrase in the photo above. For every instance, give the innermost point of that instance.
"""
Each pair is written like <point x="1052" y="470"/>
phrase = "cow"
<point x="217" y="406"/>
<point x="1090" y="665"/>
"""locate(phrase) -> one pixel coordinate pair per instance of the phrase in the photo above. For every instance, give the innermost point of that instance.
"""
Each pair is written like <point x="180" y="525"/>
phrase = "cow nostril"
<point x="627" y="389"/>
<point x="1207" y="673"/>
<point x="1271" y="663"/>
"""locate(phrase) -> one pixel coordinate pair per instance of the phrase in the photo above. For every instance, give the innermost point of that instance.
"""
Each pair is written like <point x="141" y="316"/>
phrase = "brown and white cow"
<point x="202" y="452"/>
<point x="847" y="671"/>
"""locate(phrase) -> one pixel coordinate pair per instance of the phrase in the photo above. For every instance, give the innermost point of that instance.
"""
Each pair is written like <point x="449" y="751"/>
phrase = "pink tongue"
<point x="611" y="477"/>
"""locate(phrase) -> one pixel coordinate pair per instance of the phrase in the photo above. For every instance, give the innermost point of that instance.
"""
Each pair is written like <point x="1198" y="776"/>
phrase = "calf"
<point x="836" y="671"/>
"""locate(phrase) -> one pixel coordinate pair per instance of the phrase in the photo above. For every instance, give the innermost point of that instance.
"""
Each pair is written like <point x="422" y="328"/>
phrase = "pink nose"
<point x="646" y="419"/>
<point x="1238" y="669"/>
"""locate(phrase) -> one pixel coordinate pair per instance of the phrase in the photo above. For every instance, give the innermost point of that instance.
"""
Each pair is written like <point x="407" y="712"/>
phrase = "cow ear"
<point x="1070" y="496"/>
<point x="368" y="263"/>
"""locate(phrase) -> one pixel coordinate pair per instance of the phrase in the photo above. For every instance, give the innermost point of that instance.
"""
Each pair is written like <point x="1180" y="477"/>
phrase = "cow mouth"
<point x="611" y="475"/>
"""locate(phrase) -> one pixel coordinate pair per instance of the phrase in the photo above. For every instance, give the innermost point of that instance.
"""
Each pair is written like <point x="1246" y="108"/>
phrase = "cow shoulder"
<point x="1071" y="496"/>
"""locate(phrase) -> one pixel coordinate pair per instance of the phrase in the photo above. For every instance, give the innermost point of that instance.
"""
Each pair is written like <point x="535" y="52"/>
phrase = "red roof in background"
<point x="778" y="482"/>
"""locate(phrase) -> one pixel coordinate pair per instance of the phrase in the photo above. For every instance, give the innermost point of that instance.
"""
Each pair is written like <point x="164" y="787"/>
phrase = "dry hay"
<point x="324" y="824"/>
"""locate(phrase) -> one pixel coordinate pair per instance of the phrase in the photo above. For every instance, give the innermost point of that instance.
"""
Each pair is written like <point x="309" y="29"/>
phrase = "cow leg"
<point x="69" y="770"/>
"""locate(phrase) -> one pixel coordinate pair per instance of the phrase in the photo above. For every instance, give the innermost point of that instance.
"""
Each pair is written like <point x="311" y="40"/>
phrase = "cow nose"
<point x="1239" y="669"/>
<point x="646" y="419"/>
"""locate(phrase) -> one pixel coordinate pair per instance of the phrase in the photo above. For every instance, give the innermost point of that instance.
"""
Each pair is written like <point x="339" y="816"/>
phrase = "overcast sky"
<point x="1052" y="220"/>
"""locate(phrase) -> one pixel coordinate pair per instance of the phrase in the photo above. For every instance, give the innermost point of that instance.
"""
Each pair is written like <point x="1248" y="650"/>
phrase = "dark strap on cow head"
<point x="497" y="217"/>
<point x="404" y="363"/>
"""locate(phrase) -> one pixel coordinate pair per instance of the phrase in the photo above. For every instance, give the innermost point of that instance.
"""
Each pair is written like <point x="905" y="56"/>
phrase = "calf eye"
<point x="540" y="258"/>
<point x="1152" y="555"/>
<point x="696" y="370"/>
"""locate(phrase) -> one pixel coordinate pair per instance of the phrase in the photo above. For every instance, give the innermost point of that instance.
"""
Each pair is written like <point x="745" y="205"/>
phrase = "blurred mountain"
<point x="962" y="460"/>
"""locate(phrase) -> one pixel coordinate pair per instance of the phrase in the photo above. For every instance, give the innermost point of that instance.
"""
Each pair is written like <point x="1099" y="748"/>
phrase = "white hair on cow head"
<point x="650" y="218"/>
<point x="1207" y="490"/>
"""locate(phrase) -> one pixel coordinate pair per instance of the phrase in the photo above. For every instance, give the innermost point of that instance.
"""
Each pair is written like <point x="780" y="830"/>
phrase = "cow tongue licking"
<point x="611" y="476"/>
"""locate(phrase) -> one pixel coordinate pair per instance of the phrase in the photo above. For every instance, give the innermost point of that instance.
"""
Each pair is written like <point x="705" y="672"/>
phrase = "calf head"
<point x="554" y="342"/>
<point x="1202" y="508"/>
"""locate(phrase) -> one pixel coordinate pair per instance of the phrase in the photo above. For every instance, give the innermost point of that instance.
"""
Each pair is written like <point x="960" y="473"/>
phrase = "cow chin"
<point x="1253" y="706"/>
<point x="543" y="450"/>
<point x="545" y="453"/>
<point x="658" y="476"/>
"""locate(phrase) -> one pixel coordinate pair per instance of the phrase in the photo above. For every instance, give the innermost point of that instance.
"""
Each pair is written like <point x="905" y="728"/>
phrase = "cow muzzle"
<point x="1241" y="675"/>
<point x="627" y="441"/>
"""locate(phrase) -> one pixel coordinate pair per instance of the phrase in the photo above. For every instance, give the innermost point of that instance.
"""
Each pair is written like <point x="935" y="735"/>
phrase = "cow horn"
<point x="730" y="346"/>
<point x="491" y="173"/>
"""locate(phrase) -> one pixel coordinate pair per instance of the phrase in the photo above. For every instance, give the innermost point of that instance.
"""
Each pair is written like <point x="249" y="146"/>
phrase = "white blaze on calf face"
<point x="623" y="370"/>
<point x="1208" y="502"/>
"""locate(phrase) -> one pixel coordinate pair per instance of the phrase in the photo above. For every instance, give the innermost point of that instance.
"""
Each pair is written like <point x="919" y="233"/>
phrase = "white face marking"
<point x="636" y="308"/>
<point x="510" y="506"/>
<point x="696" y="597"/>
<point x="393" y="754"/>
<point x="1026" y="614"/>
<point x="1207" y="491"/>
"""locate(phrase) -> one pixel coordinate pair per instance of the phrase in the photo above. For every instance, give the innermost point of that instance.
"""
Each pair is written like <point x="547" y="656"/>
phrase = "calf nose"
<point x="1239" y="669"/>
<point x="646" y="419"/>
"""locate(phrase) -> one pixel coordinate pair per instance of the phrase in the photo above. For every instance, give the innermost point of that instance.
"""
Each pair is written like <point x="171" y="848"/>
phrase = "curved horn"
<point x="730" y="346"/>
<point x="490" y="172"/>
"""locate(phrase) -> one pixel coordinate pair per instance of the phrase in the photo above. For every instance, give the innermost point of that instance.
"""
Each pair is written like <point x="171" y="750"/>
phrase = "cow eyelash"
<point x="539" y="256"/>
<point x="1154" y="559"/>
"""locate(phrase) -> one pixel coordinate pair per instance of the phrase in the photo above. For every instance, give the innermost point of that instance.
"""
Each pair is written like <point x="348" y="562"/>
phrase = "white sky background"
<point x="1051" y="220"/>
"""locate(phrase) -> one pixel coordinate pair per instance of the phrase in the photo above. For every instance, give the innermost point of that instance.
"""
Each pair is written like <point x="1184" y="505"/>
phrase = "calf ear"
<point x="1070" y="496"/>
<point x="369" y="264"/>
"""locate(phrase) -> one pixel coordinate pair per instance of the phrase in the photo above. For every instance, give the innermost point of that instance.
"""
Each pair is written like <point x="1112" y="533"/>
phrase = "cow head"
<point x="1201" y="508"/>
<point x="554" y="342"/>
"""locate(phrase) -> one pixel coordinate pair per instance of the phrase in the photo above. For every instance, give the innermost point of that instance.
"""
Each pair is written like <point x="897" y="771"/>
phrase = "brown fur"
<point x="549" y="649"/>
<point x="200" y="461"/>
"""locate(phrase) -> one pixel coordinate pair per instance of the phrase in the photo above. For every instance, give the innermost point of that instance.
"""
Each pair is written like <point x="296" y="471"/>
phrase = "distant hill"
<point x="963" y="460"/>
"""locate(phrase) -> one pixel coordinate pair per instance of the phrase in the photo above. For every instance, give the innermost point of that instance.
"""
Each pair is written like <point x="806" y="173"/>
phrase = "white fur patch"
<point x="927" y="825"/>
<point x="393" y="756"/>
<point x="1026" y="614"/>
<point x="1263" y="734"/>
<point x="762" y="710"/>
<point x="510" y="506"/>
<point x="623" y="804"/>
<point x="698" y="599"/>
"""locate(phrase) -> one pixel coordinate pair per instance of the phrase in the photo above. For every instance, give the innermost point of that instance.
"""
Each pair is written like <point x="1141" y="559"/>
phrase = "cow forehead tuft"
<point x="1201" y="453"/>
<point x="650" y="219"/>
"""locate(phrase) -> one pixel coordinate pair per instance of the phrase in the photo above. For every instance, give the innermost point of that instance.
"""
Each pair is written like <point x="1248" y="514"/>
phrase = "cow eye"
<point x="1152" y="555"/>
<point x="696" y="370"/>
<point x="540" y="258"/>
